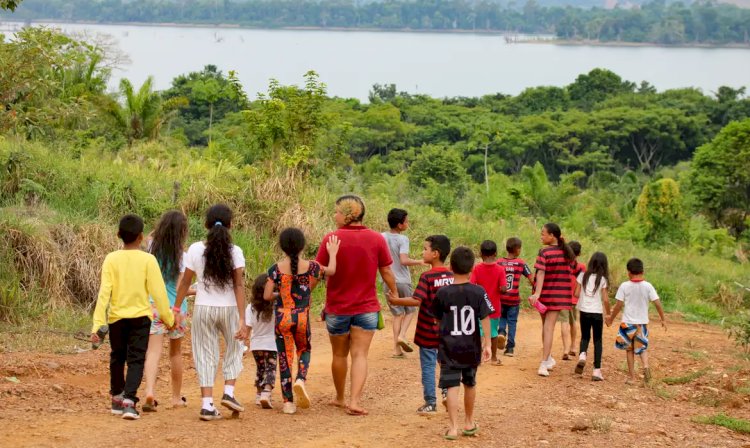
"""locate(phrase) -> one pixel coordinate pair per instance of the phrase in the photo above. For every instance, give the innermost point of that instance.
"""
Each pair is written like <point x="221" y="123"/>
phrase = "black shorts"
<point x="453" y="376"/>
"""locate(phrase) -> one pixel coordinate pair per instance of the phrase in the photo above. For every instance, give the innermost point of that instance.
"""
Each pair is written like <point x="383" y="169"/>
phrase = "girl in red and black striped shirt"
<point x="552" y="286"/>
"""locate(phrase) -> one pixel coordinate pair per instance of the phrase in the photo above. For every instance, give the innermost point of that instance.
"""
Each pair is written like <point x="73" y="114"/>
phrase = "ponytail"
<point x="292" y="242"/>
<point x="555" y="231"/>
<point x="219" y="266"/>
<point x="565" y="247"/>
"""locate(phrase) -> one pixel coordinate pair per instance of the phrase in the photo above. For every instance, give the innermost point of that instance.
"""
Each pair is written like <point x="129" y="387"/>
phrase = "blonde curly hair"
<point x="352" y="207"/>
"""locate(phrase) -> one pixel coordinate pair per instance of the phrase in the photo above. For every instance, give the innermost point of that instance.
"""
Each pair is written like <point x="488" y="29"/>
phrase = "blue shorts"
<point x="340" y="325"/>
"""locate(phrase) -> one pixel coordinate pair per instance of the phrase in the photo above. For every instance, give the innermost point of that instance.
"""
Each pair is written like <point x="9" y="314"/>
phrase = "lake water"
<point x="435" y="64"/>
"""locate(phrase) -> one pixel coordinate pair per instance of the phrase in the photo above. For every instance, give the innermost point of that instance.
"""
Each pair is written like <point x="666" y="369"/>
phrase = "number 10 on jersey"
<point x="468" y="322"/>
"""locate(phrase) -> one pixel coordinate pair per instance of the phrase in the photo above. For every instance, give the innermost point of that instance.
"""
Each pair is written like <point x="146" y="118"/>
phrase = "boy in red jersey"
<point x="509" y="298"/>
<point x="436" y="250"/>
<point x="491" y="276"/>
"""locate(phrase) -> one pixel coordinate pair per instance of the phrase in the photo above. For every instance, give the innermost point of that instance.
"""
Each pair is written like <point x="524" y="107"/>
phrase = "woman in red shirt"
<point x="352" y="304"/>
<point x="552" y="286"/>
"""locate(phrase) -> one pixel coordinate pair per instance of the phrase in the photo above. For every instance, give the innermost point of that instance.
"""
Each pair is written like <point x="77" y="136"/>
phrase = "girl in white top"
<point x="593" y="300"/>
<point x="260" y="318"/>
<point x="219" y="304"/>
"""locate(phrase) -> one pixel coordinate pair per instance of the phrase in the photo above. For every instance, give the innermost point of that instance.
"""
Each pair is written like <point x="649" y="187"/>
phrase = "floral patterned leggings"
<point x="292" y="332"/>
<point x="266" y="373"/>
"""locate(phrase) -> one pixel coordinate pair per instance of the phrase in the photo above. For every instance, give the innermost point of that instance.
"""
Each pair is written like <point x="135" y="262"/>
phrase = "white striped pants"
<point x="208" y="323"/>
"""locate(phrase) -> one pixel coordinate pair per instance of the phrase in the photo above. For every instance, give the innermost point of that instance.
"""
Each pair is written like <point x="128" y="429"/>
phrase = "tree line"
<point x="700" y="22"/>
<point x="593" y="144"/>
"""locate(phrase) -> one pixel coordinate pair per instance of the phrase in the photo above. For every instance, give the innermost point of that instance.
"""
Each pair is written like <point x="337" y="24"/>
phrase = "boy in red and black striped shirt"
<point x="509" y="298"/>
<point x="435" y="252"/>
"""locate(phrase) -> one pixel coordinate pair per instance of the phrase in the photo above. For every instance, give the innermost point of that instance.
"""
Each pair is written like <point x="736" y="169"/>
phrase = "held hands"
<point x="332" y="246"/>
<point x="392" y="297"/>
<point x="609" y="320"/>
<point x="241" y="334"/>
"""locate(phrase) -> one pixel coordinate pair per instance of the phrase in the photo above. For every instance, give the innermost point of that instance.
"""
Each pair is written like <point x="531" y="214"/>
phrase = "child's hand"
<point x="486" y="354"/>
<point x="94" y="338"/>
<point x="609" y="320"/>
<point x="241" y="334"/>
<point x="332" y="246"/>
<point x="392" y="296"/>
<point x="664" y="325"/>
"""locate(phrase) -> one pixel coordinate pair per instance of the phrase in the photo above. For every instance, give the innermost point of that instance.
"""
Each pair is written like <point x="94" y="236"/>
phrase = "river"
<point x="350" y="62"/>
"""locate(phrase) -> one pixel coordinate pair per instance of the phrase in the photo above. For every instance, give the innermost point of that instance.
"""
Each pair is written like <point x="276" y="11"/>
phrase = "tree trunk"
<point x="210" y="120"/>
<point x="486" y="179"/>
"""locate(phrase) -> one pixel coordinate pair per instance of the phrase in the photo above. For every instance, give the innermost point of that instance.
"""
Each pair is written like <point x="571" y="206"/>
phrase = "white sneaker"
<point x="543" y="370"/>
<point x="265" y="400"/>
<point x="550" y="363"/>
<point x="301" y="393"/>
<point x="289" y="408"/>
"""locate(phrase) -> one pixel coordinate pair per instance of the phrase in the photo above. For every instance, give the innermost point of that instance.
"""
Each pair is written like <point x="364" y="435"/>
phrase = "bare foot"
<point x="356" y="411"/>
<point x="337" y="403"/>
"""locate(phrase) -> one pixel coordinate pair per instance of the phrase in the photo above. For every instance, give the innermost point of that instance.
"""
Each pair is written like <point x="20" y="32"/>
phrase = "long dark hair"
<point x="554" y="230"/>
<point x="218" y="254"/>
<point x="292" y="242"/>
<point x="168" y="243"/>
<point x="598" y="265"/>
<point x="262" y="307"/>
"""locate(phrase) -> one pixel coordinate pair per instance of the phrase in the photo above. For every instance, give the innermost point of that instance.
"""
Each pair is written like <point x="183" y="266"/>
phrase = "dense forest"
<point x="701" y="22"/>
<point x="622" y="167"/>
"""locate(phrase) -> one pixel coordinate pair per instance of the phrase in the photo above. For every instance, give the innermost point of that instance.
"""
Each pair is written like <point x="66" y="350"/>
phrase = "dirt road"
<point x="61" y="400"/>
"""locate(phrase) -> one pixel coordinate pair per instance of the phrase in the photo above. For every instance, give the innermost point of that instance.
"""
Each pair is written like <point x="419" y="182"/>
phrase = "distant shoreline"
<point x="513" y="38"/>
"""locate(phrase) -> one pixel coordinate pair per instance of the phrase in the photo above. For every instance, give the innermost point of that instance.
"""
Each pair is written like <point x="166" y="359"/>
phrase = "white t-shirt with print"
<point x="211" y="295"/>
<point x="590" y="299"/>
<point x="263" y="336"/>
<point x="636" y="297"/>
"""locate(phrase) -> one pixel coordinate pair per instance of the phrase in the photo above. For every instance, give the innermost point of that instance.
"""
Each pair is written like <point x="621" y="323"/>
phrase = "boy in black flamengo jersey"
<point x="460" y="308"/>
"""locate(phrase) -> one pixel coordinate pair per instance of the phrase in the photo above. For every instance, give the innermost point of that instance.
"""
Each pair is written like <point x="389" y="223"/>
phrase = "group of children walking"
<point x="466" y="313"/>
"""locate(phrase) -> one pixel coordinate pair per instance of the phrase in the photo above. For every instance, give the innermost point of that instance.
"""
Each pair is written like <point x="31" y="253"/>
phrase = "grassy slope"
<point x="60" y="222"/>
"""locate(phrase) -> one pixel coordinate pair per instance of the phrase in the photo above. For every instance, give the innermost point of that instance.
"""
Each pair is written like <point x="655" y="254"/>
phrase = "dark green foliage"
<point x="209" y="96"/>
<point x="655" y="21"/>
<point x="721" y="176"/>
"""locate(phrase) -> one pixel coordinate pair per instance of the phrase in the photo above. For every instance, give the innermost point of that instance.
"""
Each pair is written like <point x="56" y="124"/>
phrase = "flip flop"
<point x="181" y="404"/>
<point x="498" y="362"/>
<point x="405" y="346"/>
<point x="356" y="412"/>
<point x="447" y="436"/>
<point x="150" y="405"/>
<point x="401" y="356"/>
<point x="471" y="432"/>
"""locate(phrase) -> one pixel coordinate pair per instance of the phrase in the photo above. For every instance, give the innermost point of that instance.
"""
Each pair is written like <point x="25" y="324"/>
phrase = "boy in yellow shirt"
<point x="129" y="277"/>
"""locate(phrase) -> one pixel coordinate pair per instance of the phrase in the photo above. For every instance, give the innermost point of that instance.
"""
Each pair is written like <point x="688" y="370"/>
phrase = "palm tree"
<point x="142" y="115"/>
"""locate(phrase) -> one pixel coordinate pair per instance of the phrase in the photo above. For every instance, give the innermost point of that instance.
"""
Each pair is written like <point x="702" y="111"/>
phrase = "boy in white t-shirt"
<point x="634" y="295"/>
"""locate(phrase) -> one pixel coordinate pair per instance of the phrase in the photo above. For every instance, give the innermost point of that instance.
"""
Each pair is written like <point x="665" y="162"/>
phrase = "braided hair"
<point x="292" y="242"/>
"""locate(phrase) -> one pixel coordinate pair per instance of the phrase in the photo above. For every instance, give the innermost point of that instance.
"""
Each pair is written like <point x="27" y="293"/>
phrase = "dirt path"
<point x="61" y="400"/>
